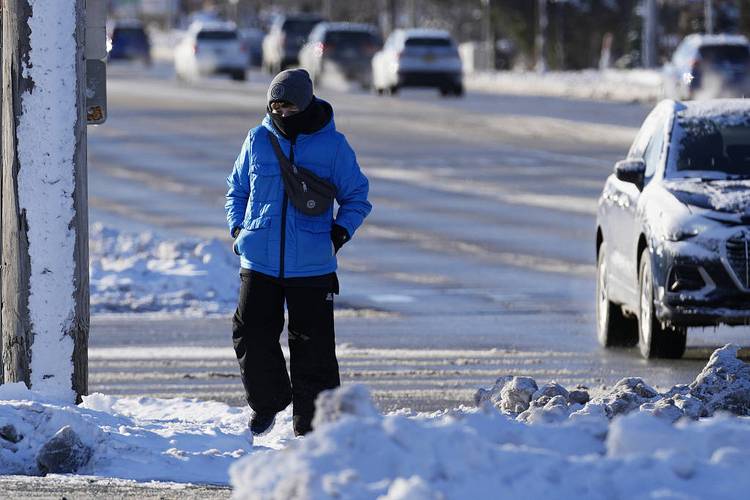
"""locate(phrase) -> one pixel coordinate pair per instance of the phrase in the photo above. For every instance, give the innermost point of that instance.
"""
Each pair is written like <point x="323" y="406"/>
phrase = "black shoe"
<point x="302" y="425"/>
<point x="261" y="423"/>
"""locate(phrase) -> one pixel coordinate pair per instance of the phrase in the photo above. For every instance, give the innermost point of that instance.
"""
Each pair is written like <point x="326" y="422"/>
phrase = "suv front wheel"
<point x="653" y="339"/>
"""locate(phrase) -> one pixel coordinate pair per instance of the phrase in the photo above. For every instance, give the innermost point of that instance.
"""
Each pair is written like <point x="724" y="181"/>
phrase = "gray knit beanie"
<point x="292" y="85"/>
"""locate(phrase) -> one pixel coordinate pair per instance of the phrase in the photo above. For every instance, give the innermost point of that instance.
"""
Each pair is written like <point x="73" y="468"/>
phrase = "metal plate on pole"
<point x="96" y="92"/>
<point x="96" y="29"/>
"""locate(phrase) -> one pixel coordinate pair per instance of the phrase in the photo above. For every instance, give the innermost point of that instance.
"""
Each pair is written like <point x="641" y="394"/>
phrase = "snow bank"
<point x="524" y="441"/>
<point x="142" y="439"/>
<point x="138" y="272"/>
<point x="616" y="85"/>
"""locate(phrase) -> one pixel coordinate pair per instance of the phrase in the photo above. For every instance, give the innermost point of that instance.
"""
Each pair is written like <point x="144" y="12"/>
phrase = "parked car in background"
<point x="673" y="228"/>
<point x="208" y="49"/>
<point x="344" y="49"/>
<point x="418" y="58"/>
<point x="709" y="66"/>
<point x="252" y="39"/>
<point x="284" y="40"/>
<point x="127" y="40"/>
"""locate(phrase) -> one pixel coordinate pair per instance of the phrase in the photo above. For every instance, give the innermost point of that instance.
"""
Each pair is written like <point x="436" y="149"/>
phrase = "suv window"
<point x="717" y="54"/>
<point x="299" y="27"/>
<point x="128" y="35"/>
<point x="652" y="154"/>
<point x="356" y="39"/>
<point x="427" y="42"/>
<point x="217" y="35"/>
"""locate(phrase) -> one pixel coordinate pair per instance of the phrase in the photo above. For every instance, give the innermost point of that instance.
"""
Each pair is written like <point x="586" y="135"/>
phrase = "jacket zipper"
<point x="285" y="202"/>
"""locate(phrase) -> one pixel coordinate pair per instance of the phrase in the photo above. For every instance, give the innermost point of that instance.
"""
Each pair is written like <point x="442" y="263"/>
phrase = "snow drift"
<point x="524" y="441"/>
<point x="139" y="272"/>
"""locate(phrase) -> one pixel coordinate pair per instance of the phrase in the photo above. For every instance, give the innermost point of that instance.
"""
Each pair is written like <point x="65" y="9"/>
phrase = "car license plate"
<point x="428" y="58"/>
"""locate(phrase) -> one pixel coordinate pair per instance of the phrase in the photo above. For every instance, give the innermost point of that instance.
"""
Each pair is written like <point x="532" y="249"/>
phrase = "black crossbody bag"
<point x="309" y="193"/>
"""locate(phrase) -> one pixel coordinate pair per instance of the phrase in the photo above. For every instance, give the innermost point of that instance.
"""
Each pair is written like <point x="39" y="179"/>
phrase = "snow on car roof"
<point x="718" y="39"/>
<point x="213" y="26"/>
<point x="349" y="27"/>
<point x="426" y="32"/>
<point x="721" y="109"/>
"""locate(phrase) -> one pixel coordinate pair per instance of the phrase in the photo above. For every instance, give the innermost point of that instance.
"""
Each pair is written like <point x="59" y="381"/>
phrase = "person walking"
<point x="288" y="253"/>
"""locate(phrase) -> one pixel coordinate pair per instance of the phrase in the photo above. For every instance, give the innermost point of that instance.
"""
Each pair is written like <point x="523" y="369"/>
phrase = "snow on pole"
<point x="50" y="163"/>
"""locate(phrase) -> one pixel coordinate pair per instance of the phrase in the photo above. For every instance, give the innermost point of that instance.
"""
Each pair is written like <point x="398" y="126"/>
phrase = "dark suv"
<point x="673" y="228"/>
<point x="284" y="40"/>
<point x="345" y="49"/>
<point x="128" y="40"/>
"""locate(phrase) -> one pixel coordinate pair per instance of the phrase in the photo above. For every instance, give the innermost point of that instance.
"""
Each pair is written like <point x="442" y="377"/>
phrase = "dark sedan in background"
<point x="127" y="40"/>
<point x="341" y="49"/>
<point x="673" y="228"/>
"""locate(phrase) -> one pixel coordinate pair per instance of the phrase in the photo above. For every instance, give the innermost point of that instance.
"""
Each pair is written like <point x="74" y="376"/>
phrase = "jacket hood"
<point x="330" y="125"/>
<point x="728" y="196"/>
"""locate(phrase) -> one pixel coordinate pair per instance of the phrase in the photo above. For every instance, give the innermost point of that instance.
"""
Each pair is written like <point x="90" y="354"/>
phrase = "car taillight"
<point x="399" y="55"/>
<point x="243" y="47"/>
<point x="195" y="48"/>
<point x="320" y="47"/>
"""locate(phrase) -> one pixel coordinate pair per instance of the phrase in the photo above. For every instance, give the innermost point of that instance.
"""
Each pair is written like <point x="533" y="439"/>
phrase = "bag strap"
<point x="283" y="160"/>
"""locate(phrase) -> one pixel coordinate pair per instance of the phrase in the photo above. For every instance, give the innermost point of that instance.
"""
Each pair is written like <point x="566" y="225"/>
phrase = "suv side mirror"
<point x="633" y="171"/>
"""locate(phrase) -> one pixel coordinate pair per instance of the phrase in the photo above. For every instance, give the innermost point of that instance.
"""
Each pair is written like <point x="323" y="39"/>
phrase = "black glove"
<point x="339" y="236"/>
<point x="235" y="232"/>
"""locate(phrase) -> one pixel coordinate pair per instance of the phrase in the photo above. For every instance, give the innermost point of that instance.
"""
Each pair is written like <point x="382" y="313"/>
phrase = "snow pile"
<point x="616" y="85"/>
<point x="141" y="439"/>
<point x="138" y="272"/>
<point x="524" y="441"/>
<point x="723" y="385"/>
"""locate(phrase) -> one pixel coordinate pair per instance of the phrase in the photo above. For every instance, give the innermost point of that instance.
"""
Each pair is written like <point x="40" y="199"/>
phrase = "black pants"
<point x="256" y="328"/>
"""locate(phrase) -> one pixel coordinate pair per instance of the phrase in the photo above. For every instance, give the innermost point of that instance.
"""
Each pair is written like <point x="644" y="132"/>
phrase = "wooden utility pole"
<point x="30" y="286"/>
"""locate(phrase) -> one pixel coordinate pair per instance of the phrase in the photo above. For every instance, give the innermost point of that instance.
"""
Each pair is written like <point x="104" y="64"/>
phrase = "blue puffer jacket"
<point x="276" y="238"/>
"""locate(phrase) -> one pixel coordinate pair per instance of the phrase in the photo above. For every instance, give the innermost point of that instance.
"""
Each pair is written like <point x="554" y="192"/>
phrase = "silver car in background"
<point x="418" y="58"/>
<point x="709" y="66"/>
<point x="343" y="50"/>
<point x="208" y="49"/>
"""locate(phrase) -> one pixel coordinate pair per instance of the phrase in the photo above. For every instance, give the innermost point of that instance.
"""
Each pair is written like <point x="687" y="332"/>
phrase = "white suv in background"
<point x="209" y="49"/>
<point x="418" y="58"/>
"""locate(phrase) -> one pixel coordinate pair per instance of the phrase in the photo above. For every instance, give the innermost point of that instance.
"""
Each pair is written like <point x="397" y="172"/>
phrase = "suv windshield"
<point x="356" y="39"/>
<point x="298" y="27"/>
<point x="128" y="35"/>
<point x="427" y="42"/>
<point x="217" y="35"/>
<point x="715" y="147"/>
<point x="717" y="54"/>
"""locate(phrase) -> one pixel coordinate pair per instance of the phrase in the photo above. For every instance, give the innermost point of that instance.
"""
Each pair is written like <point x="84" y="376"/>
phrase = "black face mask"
<point x="312" y="119"/>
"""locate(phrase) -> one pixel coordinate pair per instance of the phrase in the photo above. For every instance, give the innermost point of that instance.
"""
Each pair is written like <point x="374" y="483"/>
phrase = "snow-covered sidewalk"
<point x="614" y="85"/>
<point x="520" y="440"/>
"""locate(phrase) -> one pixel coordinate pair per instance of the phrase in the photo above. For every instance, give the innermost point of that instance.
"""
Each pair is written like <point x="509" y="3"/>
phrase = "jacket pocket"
<point x="252" y="242"/>
<point x="265" y="182"/>
<point x="314" y="246"/>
